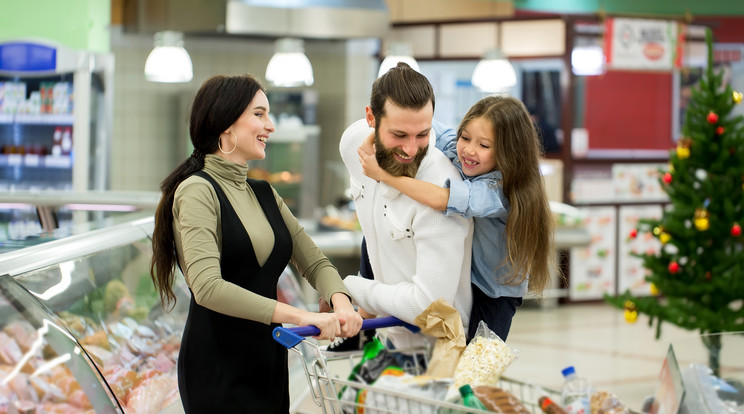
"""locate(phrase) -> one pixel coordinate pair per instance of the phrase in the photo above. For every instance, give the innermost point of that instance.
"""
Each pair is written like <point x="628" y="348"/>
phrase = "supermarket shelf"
<point x="37" y="119"/>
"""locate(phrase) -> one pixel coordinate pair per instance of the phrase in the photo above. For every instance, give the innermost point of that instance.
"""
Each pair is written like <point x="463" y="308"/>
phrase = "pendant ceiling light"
<point x="169" y="62"/>
<point x="398" y="52"/>
<point x="289" y="67"/>
<point x="494" y="73"/>
<point x="587" y="60"/>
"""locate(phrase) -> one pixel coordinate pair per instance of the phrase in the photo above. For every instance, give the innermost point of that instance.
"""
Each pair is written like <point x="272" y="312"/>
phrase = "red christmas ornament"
<point x="667" y="178"/>
<point x="633" y="233"/>
<point x="736" y="230"/>
<point x="720" y="130"/>
<point x="673" y="267"/>
<point x="712" y="117"/>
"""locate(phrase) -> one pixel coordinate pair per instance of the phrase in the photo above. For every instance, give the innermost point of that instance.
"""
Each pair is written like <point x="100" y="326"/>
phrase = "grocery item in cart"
<point x="371" y="401"/>
<point x="549" y="406"/>
<point x="442" y="321"/>
<point x="605" y="402"/>
<point x="484" y="360"/>
<point x="576" y="393"/>
<point x="499" y="400"/>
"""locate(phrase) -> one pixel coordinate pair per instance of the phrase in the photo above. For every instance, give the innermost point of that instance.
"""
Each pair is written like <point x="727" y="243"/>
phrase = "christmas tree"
<point x="697" y="277"/>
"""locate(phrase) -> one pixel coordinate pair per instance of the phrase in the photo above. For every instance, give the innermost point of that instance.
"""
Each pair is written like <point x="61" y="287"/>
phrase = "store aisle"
<point x="615" y="355"/>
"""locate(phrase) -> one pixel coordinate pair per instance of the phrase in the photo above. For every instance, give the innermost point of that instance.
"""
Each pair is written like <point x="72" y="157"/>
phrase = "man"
<point x="417" y="254"/>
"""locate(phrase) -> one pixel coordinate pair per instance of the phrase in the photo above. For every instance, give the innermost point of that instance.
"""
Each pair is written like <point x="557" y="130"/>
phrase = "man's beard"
<point x="389" y="163"/>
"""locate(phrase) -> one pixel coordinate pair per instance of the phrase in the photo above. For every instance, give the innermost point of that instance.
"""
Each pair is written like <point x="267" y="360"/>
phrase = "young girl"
<point x="497" y="151"/>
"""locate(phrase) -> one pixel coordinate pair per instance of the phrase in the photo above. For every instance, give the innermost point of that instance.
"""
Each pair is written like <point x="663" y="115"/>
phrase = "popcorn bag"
<point x="484" y="360"/>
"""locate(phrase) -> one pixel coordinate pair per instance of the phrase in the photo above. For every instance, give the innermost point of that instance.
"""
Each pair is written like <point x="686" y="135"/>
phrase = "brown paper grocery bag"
<point x="442" y="321"/>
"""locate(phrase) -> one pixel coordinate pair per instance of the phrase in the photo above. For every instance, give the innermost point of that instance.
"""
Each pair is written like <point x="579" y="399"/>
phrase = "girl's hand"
<point x="370" y="167"/>
<point x="368" y="145"/>
<point x="328" y="324"/>
<point x="350" y="320"/>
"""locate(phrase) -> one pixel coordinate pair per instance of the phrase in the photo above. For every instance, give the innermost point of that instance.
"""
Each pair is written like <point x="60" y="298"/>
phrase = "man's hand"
<point x="350" y="320"/>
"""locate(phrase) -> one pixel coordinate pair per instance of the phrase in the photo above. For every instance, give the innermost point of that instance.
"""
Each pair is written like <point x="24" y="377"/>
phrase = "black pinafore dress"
<point x="228" y="364"/>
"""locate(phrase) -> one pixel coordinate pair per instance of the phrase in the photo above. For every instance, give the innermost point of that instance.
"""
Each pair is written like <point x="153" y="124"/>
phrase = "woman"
<point x="232" y="238"/>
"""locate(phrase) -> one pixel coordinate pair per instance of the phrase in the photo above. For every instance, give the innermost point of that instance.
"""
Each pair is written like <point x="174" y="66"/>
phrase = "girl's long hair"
<point x="220" y="101"/>
<point x="529" y="225"/>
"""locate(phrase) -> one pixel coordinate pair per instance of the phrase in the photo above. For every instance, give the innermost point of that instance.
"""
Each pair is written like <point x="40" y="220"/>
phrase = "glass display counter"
<point x="82" y="329"/>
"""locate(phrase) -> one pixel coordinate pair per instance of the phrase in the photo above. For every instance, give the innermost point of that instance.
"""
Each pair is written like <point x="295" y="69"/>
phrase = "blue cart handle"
<point x="290" y="337"/>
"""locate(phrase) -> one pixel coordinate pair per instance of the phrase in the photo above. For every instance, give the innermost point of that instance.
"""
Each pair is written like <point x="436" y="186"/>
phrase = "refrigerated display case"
<point x="82" y="327"/>
<point x="291" y="167"/>
<point x="55" y="116"/>
<point x="28" y="218"/>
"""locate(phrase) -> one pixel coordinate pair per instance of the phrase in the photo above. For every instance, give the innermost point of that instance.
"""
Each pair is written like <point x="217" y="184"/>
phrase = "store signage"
<point x="27" y="57"/>
<point x="643" y="44"/>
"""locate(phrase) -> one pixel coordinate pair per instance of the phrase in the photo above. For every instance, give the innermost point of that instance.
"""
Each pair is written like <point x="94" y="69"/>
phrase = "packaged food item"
<point x="499" y="400"/>
<point x="383" y="397"/>
<point x="484" y="359"/>
<point x="605" y="402"/>
<point x="549" y="406"/>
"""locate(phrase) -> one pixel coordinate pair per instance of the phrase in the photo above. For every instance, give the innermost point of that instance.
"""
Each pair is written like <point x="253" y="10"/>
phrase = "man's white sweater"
<point x="417" y="254"/>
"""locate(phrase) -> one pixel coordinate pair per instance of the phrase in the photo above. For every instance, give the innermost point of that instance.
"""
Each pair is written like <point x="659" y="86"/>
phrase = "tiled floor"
<point x="615" y="355"/>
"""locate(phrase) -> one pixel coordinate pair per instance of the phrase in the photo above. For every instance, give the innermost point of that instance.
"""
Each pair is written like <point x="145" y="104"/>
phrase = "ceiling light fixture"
<point x="289" y="67"/>
<point x="587" y="60"/>
<point x="169" y="62"/>
<point x="494" y="72"/>
<point x="398" y="52"/>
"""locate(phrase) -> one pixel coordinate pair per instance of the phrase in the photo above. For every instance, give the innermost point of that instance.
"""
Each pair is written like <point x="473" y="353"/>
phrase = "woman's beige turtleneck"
<point x="197" y="230"/>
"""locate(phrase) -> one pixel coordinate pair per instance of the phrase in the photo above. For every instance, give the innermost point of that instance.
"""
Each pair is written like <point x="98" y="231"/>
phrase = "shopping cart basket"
<point x="325" y="387"/>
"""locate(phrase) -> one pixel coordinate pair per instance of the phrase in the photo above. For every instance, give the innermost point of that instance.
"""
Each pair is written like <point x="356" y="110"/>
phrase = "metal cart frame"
<point x="325" y="388"/>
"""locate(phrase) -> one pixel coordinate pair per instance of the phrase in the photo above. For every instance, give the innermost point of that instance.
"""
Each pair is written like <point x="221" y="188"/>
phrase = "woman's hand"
<point x="370" y="167"/>
<point x="328" y="324"/>
<point x="349" y="319"/>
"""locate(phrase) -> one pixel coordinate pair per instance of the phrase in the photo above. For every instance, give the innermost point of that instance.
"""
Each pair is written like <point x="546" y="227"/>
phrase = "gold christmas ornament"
<point x="654" y="290"/>
<point x="683" y="148"/>
<point x="657" y="231"/>
<point x="737" y="96"/>
<point x="701" y="220"/>
<point x="664" y="237"/>
<point x="631" y="314"/>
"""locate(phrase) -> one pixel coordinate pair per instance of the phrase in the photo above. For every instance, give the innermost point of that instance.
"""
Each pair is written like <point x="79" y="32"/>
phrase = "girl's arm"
<point x="424" y="192"/>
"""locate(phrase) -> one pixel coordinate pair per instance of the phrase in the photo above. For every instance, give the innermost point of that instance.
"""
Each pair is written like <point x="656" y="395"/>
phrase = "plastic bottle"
<point x="57" y="142"/>
<point x="549" y="406"/>
<point x="469" y="399"/>
<point x="576" y="393"/>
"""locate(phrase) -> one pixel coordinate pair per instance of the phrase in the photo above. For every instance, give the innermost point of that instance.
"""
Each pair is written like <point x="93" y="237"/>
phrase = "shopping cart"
<point x="325" y="387"/>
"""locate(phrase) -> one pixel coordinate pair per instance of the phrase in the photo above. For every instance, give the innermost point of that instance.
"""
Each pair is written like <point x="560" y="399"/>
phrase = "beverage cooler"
<point x="55" y="117"/>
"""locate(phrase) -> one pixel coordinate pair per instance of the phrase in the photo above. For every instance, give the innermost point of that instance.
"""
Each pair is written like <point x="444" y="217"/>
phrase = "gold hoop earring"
<point x="219" y="144"/>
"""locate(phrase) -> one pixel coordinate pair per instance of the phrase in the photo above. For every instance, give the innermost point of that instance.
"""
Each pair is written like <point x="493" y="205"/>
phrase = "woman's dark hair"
<point x="220" y="101"/>
<point x="404" y="87"/>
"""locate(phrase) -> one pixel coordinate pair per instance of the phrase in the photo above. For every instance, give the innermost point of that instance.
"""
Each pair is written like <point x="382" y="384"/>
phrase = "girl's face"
<point x="475" y="147"/>
<point x="252" y="130"/>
